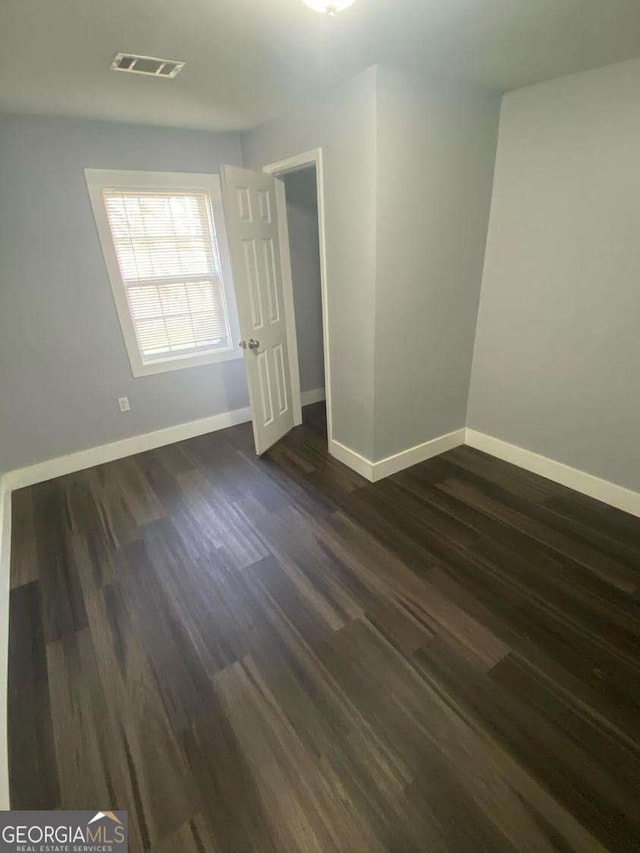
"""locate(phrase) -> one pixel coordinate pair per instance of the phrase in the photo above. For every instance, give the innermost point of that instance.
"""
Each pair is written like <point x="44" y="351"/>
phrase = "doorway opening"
<point x="304" y="251"/>
<point x="303" y="211"/>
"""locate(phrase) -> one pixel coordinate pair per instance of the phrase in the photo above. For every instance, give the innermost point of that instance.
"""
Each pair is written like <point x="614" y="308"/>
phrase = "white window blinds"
<point x="166" y="249"/>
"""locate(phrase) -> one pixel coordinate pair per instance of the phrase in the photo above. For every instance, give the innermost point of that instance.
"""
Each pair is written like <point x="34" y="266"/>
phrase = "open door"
<point x="249" y="201"/>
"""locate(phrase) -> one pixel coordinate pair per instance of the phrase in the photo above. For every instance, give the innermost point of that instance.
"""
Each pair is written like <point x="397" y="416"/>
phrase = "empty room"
<point x="319" y="426"/>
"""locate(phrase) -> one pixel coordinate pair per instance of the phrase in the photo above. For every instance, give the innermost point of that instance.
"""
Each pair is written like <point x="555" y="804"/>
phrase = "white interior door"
<point x="249" y="201"/>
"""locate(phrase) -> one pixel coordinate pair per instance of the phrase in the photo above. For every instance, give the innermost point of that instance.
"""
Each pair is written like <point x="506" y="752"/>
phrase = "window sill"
<point x="184" y="362"/>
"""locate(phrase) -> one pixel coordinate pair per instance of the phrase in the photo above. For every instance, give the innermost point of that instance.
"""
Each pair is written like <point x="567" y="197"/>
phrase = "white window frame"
<point x="101" y="179"/>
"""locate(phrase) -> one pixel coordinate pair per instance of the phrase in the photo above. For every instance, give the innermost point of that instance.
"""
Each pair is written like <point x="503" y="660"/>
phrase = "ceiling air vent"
<point x="150" y="65"/>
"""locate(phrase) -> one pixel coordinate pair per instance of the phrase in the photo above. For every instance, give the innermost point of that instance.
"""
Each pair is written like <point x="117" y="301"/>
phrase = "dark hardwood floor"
<point x="275" y="655"/>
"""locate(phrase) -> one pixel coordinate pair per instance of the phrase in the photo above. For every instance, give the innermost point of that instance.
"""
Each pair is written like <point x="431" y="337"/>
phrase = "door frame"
<point x="278" y="169"/>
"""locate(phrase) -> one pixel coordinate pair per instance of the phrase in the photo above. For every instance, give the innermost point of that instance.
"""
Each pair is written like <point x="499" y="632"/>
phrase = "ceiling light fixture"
<point x="328" y="7"/>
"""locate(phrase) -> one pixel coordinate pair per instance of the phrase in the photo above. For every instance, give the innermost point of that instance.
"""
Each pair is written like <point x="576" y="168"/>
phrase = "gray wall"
<point x="343" y="124"/>
<point x="63" y="362"/>
<point x="436" y="147"/>
<point x="557" y="358"/>
<point x="302" y="217"/>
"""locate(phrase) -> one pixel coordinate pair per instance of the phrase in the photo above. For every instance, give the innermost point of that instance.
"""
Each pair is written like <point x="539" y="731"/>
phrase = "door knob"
<point x="242" y="344"/>
<point x="253" y="344"/>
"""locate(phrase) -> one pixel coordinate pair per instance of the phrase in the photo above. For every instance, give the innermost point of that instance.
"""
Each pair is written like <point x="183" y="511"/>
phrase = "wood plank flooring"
<point x="275" y="655"/>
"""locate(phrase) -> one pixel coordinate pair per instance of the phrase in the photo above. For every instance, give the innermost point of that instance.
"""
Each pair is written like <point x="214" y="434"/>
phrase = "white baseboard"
<point x="421" y="452"/>
<point x="580" y="481"/>
<point x="374" y="471"/>
<point x="119" y="449"/>
<point x="602" y="490"/>
<point x="360" y="464"/>
<point x="5" y="560"/>
<point x="314" y="396"/>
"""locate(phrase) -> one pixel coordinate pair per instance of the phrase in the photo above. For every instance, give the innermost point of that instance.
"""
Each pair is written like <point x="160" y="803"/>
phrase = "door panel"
<point x="254" y="245"/>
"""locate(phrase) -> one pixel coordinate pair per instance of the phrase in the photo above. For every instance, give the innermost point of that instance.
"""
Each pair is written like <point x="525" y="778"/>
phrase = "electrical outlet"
<point x="123" y="402"/>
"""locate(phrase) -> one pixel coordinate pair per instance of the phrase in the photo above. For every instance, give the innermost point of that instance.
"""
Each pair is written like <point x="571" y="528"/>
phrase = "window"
<point x="163" y="240"/>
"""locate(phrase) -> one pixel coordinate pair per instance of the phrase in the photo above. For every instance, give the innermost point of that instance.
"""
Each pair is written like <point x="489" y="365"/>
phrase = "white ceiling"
<point x="248" y="60"/>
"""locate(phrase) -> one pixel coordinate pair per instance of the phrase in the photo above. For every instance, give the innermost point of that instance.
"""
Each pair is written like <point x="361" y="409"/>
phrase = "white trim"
<point x="61" y="465"/>
<point x="294" y="164"/>
<point x="573" y="478"/>
<point x="580" y="481"/>
<point x="5" y="561"/>
<point x="360" y="464"/>
<point x="420" y="453"/>
<point x="603" y="490"/>
<point x="375" y="471"/>
<point x="289" y="303"/>
<point x="99" y="179"/>
<point x="317" y="395"/>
